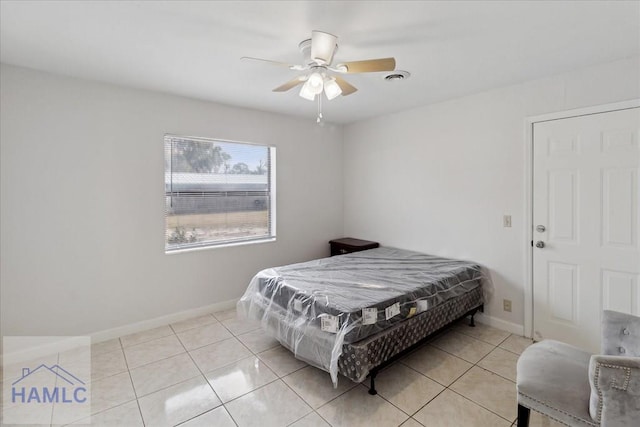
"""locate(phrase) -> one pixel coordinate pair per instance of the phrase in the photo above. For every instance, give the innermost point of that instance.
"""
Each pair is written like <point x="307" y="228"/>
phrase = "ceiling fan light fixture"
<point x="331" y="88"/>
<point x="321" y="76"/>
<point x="316" y="83"/>
<point x="312" y="87"/>
<point x="306" y="92"/>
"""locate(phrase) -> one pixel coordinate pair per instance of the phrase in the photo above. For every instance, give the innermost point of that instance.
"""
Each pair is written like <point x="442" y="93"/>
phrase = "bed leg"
<point x="372" y="387"/>
<point x="523" y="416"/>
<point x="472" y="323"/>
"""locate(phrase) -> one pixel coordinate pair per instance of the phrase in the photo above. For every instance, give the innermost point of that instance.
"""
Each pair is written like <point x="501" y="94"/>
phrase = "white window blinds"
<point x="217" y="192"/>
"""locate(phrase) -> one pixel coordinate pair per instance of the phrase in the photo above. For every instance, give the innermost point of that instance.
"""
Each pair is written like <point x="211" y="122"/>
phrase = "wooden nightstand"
<point x="347" y="245"/>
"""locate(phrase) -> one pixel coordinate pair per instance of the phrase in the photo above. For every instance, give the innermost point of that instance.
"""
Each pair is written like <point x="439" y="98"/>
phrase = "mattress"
<point x="367" y="291"/>
<point x="316" y="308"/>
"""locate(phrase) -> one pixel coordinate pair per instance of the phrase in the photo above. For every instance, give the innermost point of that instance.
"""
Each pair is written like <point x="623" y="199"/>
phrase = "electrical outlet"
<point x="506" y="305"/>
<point x="506" y="220"/>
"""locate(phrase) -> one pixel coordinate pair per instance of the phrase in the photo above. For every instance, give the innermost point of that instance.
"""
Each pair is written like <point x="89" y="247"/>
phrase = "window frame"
<point x="271" y="185"/>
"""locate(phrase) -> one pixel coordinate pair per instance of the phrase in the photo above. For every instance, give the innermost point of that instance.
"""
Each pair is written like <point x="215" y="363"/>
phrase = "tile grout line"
<point x="461" y="330"/>
<point x="410" y="416"/>
<point x="148" y="340"/>
<point x="216" y="321"/>
<point x="326" y="403"/>
<point x="223" y="404"/>
<point x="322" y="418"/>
<point x="441" y="391"/>
<point x="115" y="406"/>
<point x="397" y="407"/>
<point x="281" y="377"/>
<point x="203" y="376"/>
<point x="135" y="393"/>
<point x="137" y="398"/>
<point x="181" y="423"/>
<point x="480" y="405"/>
<point x="109" y="376"/>
<point x="244" y="394"/>
<point x="252" y="354"/>
<point x="188" y="379"/>
<point x="460" y="376"/>
<point x="273" y="370"/>
<point x="391" y="403"/>
<point x="476" y="365"/>
<point x="488" y="370"/>
<point x="55" y="384"/>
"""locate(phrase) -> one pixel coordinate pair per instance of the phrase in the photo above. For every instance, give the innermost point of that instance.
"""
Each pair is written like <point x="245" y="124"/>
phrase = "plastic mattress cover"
<point x="314" y="308"/>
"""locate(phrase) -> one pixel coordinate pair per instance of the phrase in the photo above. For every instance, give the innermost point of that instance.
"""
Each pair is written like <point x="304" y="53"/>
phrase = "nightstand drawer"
<point x="348" y="245"/>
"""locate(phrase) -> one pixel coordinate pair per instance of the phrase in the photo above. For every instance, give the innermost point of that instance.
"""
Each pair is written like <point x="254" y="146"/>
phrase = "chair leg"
<point x="523" y="416"/>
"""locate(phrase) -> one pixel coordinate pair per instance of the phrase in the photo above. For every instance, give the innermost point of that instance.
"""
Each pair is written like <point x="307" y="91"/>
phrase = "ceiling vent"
<point x="397" y="75"/>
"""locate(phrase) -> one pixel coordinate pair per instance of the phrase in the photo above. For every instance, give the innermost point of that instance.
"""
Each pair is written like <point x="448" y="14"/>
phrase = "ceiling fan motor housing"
<point x="305" y="50"/>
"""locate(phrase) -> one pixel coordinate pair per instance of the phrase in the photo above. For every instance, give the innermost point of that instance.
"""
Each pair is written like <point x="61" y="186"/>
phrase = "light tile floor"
<point x="216" y="370"/>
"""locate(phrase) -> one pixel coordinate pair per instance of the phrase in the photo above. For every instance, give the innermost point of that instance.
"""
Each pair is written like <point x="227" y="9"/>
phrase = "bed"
<point x="351" y="314"/>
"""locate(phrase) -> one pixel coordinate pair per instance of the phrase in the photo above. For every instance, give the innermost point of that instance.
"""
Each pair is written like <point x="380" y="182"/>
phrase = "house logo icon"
<point x="48" y="384"/>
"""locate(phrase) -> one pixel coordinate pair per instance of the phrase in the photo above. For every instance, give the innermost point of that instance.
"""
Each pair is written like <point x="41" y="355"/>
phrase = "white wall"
<point x="82" y="203"/>
<point x="436" y="179"/>
<point x="440" y="178"/>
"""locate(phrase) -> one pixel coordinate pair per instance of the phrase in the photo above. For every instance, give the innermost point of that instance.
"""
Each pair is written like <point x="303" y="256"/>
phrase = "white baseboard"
<point x="25" y="349"/>
<point x="58" y="344"/>
<point x="494" y="322"/>
<point x="132" y="328"/>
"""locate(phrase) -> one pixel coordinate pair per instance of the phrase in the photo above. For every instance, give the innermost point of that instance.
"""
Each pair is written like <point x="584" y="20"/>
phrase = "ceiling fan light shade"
<point x="312" y="87"/>
<point x="315" y="83"/>
<point x="323" y="46"/>
<point x="306" y="92"/>
<point x="331" y="88"/>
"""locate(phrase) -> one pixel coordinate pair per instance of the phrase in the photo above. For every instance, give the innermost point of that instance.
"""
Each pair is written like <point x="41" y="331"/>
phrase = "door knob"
<point x="540" y="228"/>
<point x="540" y="244"/>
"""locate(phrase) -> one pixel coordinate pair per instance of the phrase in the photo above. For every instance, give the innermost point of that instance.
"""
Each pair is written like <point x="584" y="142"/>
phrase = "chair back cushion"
<point x="620" y="334"/>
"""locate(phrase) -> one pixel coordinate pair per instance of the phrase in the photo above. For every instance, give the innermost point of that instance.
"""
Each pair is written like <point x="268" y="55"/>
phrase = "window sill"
<point x="223" y="245"/>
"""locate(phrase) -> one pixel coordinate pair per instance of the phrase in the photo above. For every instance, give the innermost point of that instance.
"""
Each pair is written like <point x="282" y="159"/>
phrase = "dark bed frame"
<point x="366" y="358"/>
<point x="374" y="371"/>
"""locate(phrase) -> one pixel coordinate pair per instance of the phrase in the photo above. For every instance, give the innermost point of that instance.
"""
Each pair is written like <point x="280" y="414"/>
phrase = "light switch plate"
<point x="506" y="220"/>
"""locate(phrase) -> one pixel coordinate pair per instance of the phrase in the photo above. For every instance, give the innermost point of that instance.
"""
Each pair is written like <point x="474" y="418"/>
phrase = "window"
<point x="217" y="192"/>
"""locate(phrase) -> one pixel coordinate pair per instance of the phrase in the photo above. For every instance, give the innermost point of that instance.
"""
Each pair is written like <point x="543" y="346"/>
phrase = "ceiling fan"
<point x="320" y="73"/>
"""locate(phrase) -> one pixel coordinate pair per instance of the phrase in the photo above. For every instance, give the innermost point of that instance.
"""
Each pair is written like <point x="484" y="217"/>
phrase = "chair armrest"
<point x="620" y="334"/>
<point x="615" y="390"/>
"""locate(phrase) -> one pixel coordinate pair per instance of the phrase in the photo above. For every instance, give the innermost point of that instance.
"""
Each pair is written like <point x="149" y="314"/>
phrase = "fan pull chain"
<point x="320" y="119"/>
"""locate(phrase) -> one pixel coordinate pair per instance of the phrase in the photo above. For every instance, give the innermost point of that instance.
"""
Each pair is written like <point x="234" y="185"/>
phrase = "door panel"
<point x="563" y="195"/>
<point x="586" y="195"/>
<point x="619" y="210"/>
<point x="620" y="291"/>
<point x="563" y="292"/>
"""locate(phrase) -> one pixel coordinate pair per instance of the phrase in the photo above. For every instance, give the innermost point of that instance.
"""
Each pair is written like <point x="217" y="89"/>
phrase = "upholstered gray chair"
<point x="577" y="389"/>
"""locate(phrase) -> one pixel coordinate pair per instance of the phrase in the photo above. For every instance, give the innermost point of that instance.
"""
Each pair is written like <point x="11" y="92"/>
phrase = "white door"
<point x="586" y="214"/>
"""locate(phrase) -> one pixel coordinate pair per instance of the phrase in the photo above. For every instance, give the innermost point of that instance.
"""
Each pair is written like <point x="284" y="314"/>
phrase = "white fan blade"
<point x="278" y="63"/>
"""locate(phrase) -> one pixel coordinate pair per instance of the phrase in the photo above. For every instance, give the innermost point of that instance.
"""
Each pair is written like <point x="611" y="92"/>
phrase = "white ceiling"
<point x="193" y="48"/>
